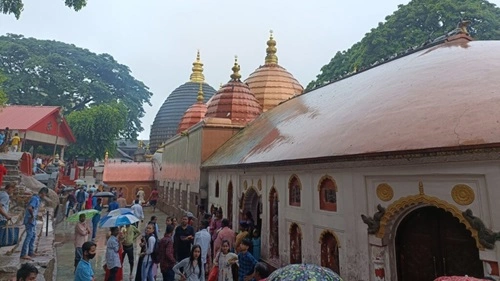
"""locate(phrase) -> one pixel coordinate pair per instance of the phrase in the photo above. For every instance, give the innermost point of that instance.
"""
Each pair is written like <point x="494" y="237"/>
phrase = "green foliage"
<point x="409" y="26"/>
<point x="96" y="128"/>
<point x="3" y="95"/>
<point x="43" y="72"/>
<point x="16" y="6"/>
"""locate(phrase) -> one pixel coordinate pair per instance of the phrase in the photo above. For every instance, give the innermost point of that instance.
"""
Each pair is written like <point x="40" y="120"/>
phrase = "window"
<point x="294" y="188"/>
<point x="327" y="194"/>
<point x="217" y="189"/>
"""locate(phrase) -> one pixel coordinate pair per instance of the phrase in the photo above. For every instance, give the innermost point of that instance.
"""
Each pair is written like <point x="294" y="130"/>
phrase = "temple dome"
<point x="271" y="83"/>
<point x="170" y="114"/>
<point x="234" y="101"/>
<point x="195" y="113"/>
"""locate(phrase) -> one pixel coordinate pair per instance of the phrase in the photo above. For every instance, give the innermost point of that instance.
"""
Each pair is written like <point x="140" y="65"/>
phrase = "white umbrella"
<point x="113" y="221"/>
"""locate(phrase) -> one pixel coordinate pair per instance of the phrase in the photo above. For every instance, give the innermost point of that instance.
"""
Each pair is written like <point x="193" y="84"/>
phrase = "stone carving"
<point x="385" y="192"/>
<point x="462" y="194"/>
<point x="374" y="222"/>
<point x="487" y="237"/>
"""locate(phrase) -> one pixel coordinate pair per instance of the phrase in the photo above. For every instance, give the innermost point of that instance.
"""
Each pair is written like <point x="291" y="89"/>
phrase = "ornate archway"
<point x="330" y="250"/>
<point x="274" y="252"/>
<point x="295" y="243"/>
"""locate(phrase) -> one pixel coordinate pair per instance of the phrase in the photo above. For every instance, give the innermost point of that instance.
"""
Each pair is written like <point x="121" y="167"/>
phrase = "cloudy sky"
<point x="158" y="39"/>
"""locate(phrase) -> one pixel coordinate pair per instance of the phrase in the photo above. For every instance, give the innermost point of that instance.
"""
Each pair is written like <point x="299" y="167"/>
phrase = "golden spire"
<point x="200" y="93"/>
<point x="236" y="70"/>
<point x="197" y="75"/>
<point x="271" y="57"/>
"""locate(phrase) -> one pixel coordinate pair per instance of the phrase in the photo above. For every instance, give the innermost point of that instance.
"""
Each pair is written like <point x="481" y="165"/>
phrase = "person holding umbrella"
<point x="82" y="232"/>
<point x="113" y="263"/>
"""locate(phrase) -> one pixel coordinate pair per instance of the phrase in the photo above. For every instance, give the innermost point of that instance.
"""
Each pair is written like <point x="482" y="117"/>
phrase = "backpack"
<point x="155" y="255"/>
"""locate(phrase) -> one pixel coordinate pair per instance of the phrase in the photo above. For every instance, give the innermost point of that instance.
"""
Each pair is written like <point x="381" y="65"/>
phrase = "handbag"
<point x="9" y="235"/>
<point x="214" y="274"/>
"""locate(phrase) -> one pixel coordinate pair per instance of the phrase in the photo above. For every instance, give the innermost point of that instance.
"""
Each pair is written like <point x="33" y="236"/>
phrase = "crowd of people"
<point x="9" y="142"/>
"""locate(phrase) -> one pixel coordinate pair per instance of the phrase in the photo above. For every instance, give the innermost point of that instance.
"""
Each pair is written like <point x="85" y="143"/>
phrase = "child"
<point x="246" y="261"/>
<point x="256" y="245"/>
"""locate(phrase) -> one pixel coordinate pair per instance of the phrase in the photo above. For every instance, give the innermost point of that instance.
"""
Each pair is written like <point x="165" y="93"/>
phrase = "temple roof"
<point x="234" y="101"/>
<point x="194" y="114"/>
<point x="167" y="119"/>
<point x="446" y="96"/>
<point x="271" y="83"/>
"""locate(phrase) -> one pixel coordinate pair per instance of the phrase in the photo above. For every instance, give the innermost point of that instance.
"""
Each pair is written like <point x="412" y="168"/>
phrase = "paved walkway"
<point x="66" y="250"/>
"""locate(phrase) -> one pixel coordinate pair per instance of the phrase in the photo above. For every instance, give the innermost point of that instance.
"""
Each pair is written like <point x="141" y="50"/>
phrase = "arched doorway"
<point x="230" y="202"/>
<point x="330" y="252"/>
<point x="252" y="203"/>
<point x="430" y="242"/>
<point x="273" y="225"/>
<point x="295" y="244"/>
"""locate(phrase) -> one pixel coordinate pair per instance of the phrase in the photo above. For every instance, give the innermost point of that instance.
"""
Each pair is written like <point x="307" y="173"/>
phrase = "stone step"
<point x="12" y="172"/>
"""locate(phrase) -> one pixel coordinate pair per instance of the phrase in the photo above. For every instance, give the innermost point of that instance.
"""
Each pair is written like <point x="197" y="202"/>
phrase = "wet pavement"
<point x="66" y="251"/>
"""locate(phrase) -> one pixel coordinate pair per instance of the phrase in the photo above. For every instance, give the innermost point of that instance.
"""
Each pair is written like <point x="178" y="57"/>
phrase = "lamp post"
<point x="59" y="121"/>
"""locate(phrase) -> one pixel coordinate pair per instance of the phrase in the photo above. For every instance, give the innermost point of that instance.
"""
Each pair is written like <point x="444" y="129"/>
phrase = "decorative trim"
<point x="259" y="185"/>
<point x="404" y="203"/>
<point x="463" y="194"/>
<point x="290" y="181"/>
<point x="299" y="230"/>
<point x="374" y="222"/>
<point x="275" y="191"/>
<point x="325" y="177"/>
<point x="326" y="231"/>
<point x="385" y="192"/>
<point x="487" y="237"/>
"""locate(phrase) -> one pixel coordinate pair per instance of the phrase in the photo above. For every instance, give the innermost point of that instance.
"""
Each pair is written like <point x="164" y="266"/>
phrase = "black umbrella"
<point x="104" y="194"/>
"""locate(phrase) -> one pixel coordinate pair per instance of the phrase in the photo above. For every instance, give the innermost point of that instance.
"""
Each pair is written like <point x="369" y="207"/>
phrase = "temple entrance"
<point x="430" y="242"/>
<point x="295" y="244"/>
<point x="253" y="204"/>
<point x="330" y="252"/>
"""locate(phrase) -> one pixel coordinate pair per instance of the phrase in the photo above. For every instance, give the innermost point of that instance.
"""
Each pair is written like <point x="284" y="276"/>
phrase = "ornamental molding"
<point x="385" y="192"/>
<point x="328" y="231"/>
<point x="291" y="179"/>
<point x="325" y="177"/>
<point x="463" y="194"/>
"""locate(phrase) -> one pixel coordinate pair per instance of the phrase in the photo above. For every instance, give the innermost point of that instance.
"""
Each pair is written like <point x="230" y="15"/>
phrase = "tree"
<point x="43" y="72"/>
<point x="96" y="128"/>
<point x="409" y="26"/>
<point x="16" y="6"/>
<point x="3" y="95"/>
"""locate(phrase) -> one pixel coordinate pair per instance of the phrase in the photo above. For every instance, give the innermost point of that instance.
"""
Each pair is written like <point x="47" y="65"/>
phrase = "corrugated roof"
<point x="23" y="117"/>
<point x="128" y="172"/>
<point x="444" y="96"/>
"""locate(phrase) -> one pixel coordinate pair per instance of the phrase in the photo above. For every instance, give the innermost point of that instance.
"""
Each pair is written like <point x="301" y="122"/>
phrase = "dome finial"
<point x="236" y="70"/>
<point x="271" y="57"/>
<point x="200" y="93"/>
<point x="197" y="75"/>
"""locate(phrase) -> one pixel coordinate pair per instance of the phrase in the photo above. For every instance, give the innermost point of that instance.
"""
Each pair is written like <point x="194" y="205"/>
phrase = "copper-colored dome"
<point x="271" y="83"/>
<point x="234" y="101"/>
<point x="194" y="114"/>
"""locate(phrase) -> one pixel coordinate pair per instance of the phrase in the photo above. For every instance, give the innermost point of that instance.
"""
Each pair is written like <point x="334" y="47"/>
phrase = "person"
<point x="113" y="205"/>
<point x="153" y="221"/>
<point x="147" y="263"/>
<point x="168" y="220"/>
<point x="183" y="239"/>
<point x="5" y="202"/>
<point x="167" y="258"/>
<point x="95" y="219"/>
<point x="138" y="273"/>
<point x="225" y="233"/>
<point x="130" y="234"/>
<point x="14" y="142"/>
<point x="191" y="265"/>
<point x="242" y="235"/>
<point x="174" y="223"/>
<point x="89" y="200"/>
<point x="216" y="224"/>
<point x="138" y="212"/>
<point x="71" y="203"/>
<point x="81" y="195"/>
<point x="82" y="232"/>
<point x="249" y="220"/>
<point x="153" y="198"/>
<point x="27" y="272"/>
<point x="225" y="261"/>
<point x="246" y="261"/>
<point x="84" y="270"/>
<point x="3" y="172"/>
<point x="2" y="138"/>
<point x="122" y="202"/>
<point x="140" y="195"/>
<point x="203" y="239"/>
<point x="121" y="194"/>
<point x="30" y="215"/>
<point x="261" y="271"/>
<point x="256" y="244"/>
<point x="112" y="257"/>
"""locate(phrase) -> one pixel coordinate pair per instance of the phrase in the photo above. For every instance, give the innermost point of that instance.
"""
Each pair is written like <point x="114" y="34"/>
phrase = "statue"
<point x="374" y="223"/>
<point x="487" y="237"/>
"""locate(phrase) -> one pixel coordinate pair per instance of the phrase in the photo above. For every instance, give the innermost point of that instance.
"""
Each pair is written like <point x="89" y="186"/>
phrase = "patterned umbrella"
<point x="88" y="214"/>
<point x="112" y="221"/>
<point x="304" y="272"/>
<point x="458" y="278"/>
<point x="120" y="211"/>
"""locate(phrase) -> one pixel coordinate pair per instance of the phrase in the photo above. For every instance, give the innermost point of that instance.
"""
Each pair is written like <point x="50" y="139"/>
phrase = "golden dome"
<point x="234" y="101"/>
<point x="271" y="83"/>
<point x="195" y="113"/>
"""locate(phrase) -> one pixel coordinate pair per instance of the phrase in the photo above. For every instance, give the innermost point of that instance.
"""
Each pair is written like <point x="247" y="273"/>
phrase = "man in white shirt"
<point x="138" y="212"/>
<point x="203" y="239"/>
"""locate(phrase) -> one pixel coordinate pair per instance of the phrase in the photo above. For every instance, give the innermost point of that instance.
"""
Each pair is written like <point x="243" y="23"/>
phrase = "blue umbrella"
<point x="112" y="221"/>
<point x="120" y="211"/>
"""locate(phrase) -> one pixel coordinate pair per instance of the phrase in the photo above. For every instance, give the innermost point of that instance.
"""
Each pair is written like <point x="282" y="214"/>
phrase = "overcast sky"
<point x="158" y="39"/>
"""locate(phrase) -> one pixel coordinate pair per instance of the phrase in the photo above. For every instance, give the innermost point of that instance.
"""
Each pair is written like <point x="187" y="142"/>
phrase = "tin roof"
<point x="445" y="96"/>
<point x="128" y="172"/>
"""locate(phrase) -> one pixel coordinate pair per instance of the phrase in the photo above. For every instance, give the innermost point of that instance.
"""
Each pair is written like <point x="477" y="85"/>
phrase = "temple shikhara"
<point x="389" y="173"/>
